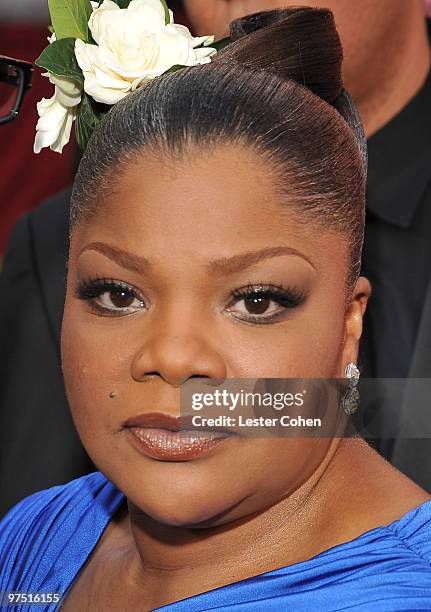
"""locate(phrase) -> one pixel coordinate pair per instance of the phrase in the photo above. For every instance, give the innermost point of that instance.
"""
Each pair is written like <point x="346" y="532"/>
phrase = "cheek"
<point x="308" y="344"/>
<point x="96" y="368"/>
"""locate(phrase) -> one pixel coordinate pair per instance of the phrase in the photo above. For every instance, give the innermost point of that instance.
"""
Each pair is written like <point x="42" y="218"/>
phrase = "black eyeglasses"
<point x="15" y="81"/>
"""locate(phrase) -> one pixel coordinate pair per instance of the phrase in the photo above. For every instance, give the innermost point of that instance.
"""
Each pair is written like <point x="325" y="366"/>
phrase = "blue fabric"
<point x="46" y="539"/>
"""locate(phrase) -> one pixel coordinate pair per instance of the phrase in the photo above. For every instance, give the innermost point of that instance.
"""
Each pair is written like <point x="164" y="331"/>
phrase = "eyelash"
<point x="291" y="298"/>
<point x="288" y="298"/>
<point x="91" y="289"/>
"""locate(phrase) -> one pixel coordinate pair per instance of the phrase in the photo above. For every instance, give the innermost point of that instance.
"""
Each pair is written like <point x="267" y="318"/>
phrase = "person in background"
<point x="387" y="72"/>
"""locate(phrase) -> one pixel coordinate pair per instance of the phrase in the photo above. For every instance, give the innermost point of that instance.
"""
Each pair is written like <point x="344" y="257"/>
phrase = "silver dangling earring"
<point x="350" y="400"/>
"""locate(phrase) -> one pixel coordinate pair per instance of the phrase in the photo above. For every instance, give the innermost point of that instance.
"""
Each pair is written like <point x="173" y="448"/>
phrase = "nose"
<point x="176" y="358"/>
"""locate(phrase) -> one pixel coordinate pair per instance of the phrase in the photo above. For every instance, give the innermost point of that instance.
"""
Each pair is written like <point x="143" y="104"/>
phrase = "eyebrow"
<point x="224" y="265"/>
<point x="237" y="263"/>
<point x="126" y="260"/>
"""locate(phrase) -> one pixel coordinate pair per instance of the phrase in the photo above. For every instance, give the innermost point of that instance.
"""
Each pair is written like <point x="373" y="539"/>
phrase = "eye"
<point x="118" y="300"/>
<point x="264" y="304"/>
<point x="110" y="297"/>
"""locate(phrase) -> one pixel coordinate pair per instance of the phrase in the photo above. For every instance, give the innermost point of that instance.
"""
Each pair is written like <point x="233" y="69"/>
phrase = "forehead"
<point x="230" y="179"/>
<point x="229" y="186"/>
<point x="207" y="203"/>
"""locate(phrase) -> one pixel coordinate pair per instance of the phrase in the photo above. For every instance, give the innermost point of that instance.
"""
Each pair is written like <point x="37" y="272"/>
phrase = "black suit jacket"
<point x="38" y="443"/>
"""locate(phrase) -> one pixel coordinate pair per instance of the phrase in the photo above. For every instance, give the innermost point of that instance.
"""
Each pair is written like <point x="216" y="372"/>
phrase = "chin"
<point x="183" y="510"/>
<point x="179" y="494"/>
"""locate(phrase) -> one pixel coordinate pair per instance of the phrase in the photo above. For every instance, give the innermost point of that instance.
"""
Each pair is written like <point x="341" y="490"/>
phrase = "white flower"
<point x="133" y="46"/>
<point x="57" y="114"/>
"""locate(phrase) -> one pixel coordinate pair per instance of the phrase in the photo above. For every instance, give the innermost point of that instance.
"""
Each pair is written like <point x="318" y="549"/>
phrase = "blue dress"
<point x="46" y="539"/>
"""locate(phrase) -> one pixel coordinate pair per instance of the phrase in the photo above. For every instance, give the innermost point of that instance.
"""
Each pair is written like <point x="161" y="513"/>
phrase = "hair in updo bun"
<point x="301" y="44"/>
<point x="277" y="88"/>
<point x="274" y="41"/>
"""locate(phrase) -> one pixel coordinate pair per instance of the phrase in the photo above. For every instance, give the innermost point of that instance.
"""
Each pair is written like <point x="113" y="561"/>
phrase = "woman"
<point x="217" y="226"/>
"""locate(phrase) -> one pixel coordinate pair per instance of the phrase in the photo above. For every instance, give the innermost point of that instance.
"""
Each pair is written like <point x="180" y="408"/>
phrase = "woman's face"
<point x="162" y="287"/>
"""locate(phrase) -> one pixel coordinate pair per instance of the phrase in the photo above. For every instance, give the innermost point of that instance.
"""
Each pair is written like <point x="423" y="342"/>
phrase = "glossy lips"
<point x="166" y="438"/>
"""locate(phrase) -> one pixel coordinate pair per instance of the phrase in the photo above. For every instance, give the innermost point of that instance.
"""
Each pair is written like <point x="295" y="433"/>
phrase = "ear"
<point x="353" y="322"/>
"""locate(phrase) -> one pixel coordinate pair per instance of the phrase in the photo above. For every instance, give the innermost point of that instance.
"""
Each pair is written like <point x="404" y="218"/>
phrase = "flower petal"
<point x="203" y="56"/>
<point x="134" y="45"/>
<point x="64" y="135"/>
<point x="194" y="41"/>
<point x="52" y="129"/>
<point x="155" y="6"/>
<point x="67" y="92"/>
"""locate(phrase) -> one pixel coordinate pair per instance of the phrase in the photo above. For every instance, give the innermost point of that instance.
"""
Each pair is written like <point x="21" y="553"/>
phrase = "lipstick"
<point x="167" y="438"/>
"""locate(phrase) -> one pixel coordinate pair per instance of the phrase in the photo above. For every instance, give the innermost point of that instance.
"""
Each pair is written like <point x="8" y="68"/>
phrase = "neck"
<point x="182" y="561"/>
<point x="392" y="73"/>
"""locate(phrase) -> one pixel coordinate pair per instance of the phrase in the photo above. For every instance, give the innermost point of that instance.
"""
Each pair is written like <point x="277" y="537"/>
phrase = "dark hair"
<point x="277" y="87"/>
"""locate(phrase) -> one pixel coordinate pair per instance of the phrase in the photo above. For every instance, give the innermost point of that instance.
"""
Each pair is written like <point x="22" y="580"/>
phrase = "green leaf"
<point x="87" y="120"/>
<point x="165" y="6"/>
<point x="70" y="18"/>
<point x="220" y="44"/>
<point x="123" y="3"/>
<point x="174" y="68"/>
<point x="59" y="59"/>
